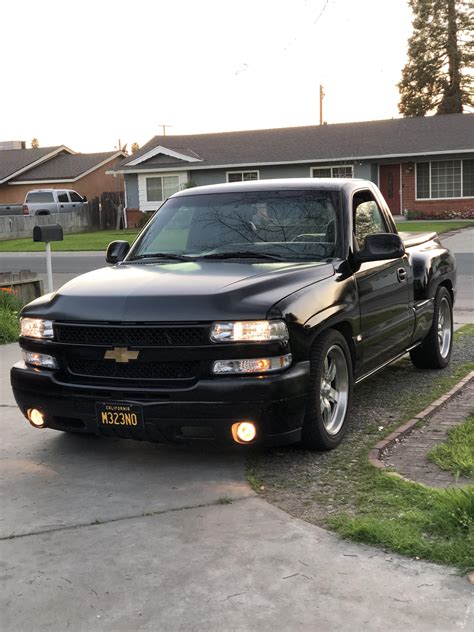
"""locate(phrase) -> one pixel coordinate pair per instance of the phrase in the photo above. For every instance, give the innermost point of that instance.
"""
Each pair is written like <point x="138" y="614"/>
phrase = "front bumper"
<point x="207" y="410"/>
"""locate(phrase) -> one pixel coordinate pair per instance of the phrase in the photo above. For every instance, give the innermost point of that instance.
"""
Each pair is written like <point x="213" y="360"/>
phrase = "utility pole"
<point x="321" y="97"/>
<point x="163" y="127"/>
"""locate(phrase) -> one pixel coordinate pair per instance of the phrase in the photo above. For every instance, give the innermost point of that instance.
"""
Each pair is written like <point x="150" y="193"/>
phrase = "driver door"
<point x="385" y="291"/>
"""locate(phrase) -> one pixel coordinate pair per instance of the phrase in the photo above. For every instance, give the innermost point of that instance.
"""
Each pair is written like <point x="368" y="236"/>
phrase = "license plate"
<point x="123" y="417"/>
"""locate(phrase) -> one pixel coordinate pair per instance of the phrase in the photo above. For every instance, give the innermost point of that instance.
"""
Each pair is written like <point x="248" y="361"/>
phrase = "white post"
<point x="49" y="267"/>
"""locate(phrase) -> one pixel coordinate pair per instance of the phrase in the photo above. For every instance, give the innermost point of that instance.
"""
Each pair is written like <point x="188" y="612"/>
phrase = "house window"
<point x="340" y="171"/>
<point x="159" y="188"/>
<point x="468" y="178"/>
<point x="423" y="180"/>
<point x="445" y="179"/>
<point x="241" y="176"/>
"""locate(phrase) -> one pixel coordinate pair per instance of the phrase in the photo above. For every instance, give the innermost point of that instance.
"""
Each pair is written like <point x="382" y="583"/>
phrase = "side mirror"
<point x="116" y="251"/>
<point x="379" y="247"/>
<point x="84" y="198"/>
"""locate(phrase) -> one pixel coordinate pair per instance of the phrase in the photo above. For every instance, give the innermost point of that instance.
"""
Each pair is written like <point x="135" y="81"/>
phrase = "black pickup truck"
<point x="244" y="313"/>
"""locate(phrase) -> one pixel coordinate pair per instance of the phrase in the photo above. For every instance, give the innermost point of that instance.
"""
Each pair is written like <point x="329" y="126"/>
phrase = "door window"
<point x="368" y="218"/>
<point x="75" y="197"/>
<point x="62" y="197"/>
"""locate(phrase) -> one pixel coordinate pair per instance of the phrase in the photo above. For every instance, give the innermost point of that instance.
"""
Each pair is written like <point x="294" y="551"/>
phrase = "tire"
<point x="435" y="350"/>
<point x="329" y="400"/>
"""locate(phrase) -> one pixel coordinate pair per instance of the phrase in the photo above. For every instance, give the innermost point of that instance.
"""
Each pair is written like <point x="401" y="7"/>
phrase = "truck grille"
<point x="131" y="335"/>
<point x="134" y="370"/>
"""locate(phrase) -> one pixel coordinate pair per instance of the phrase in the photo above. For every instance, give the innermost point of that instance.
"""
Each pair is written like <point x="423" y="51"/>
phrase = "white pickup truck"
<point x="48" y="201"/>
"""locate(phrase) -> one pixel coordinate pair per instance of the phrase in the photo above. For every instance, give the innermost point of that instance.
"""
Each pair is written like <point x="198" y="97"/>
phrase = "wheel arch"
<point x="345" y="328"/>
<point x="448" y="284"/>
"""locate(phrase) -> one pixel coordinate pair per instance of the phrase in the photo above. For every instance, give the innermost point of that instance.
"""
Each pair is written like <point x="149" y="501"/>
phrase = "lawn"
<point x="80" y="241"/>
<point x="432" y="225"/>
<point x="457" y="454"/>
<point x="435" y="524"/>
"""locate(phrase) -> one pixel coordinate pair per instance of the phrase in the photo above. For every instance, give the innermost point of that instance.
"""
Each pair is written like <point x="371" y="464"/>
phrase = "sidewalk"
<point x="408" y="455"/>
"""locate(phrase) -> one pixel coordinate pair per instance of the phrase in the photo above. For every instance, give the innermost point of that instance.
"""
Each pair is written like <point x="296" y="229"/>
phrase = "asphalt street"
<point x="109" y="535"/>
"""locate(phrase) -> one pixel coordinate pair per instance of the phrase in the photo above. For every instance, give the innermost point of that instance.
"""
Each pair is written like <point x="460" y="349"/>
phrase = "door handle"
<point x="401" y="275"/>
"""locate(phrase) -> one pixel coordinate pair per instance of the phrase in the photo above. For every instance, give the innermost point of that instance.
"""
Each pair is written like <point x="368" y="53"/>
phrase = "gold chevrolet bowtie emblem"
<point x="121" y="354"/>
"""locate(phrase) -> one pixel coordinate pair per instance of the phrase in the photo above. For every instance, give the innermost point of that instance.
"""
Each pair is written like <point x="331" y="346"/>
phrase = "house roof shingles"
<point x="13" y="160"/>
<point x="65" y="167"/>
<point x="368" y="139"/>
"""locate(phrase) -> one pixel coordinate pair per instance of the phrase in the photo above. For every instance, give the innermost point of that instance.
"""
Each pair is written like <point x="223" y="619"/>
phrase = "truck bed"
<point x="416" y="239"/>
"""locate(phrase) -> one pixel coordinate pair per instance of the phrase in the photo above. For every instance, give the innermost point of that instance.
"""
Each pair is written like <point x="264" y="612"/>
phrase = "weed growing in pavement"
<point x="224" y="500"/>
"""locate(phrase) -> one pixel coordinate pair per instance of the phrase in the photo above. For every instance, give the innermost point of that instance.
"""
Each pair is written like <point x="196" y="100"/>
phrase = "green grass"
<point x="457" y="454"/>
<point x="10" y="305"/>
<point x="80" y="241"/>
<point x="432" y="225"/>
<point x="435" y="524"/>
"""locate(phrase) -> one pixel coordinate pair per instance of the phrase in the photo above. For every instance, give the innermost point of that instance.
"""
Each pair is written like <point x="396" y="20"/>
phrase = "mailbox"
<point x="47" y="234"/>
<point x="51" y="232"/>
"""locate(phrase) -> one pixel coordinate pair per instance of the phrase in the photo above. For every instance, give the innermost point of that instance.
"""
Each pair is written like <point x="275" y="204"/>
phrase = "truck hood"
<point x="178" y="291"/>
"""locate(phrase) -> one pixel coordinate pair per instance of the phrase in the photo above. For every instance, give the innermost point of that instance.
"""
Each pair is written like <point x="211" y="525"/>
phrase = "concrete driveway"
<point x="100" y="534"/>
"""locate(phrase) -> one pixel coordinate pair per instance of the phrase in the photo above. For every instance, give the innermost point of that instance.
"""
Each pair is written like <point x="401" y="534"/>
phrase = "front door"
<point x="389" y="176"/>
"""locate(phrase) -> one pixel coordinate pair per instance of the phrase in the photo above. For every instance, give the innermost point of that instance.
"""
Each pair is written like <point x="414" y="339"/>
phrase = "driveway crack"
<point x="149" y="513"/>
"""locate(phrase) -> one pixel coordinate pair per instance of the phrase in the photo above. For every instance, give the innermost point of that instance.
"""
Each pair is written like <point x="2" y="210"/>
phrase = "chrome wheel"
<point x="444" y="327"/>
<point x="334" y="390"/>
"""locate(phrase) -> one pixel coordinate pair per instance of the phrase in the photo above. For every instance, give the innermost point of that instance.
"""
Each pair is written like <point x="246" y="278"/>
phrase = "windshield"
<point x="286" y="225"/>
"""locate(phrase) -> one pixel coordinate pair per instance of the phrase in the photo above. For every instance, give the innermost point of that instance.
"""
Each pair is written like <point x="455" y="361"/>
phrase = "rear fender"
<point x="433" y="265"/>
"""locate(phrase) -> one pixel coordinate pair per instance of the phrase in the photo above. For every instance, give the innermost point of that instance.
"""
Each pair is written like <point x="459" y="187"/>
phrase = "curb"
<point x="376" y="452"/>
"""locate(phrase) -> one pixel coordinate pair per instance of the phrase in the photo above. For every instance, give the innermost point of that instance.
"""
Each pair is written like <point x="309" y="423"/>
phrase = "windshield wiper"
<point x="241" y="254"/>
<point x="160" y="255"/>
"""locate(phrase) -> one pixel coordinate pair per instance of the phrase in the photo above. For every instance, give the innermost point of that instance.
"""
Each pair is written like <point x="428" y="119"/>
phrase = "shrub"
<point x="144" y="219"/>
<point x="428" y="214"/>
<point x="10" y="306"/>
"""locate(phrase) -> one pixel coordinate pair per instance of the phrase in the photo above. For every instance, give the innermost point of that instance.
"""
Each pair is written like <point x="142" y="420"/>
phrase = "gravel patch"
<point x="314" y="485"/>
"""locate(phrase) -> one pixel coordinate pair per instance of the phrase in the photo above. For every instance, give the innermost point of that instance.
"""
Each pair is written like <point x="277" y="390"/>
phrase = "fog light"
<point x="40" y="360"/>
<point x="244" y="432"/>
<point x="35" y="417"/>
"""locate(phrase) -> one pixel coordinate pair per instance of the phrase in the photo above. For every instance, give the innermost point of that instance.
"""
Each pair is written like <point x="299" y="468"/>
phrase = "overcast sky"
<point x="85" y="74"/>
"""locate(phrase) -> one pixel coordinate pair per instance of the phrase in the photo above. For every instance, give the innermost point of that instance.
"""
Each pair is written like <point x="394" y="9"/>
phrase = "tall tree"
<point x="438" y="75"/>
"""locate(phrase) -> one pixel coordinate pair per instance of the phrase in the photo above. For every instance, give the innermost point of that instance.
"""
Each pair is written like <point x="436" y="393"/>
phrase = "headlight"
<point x="36" y="328"/>
<point x="249" y="331"/>
<point x="251" y="365"/>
